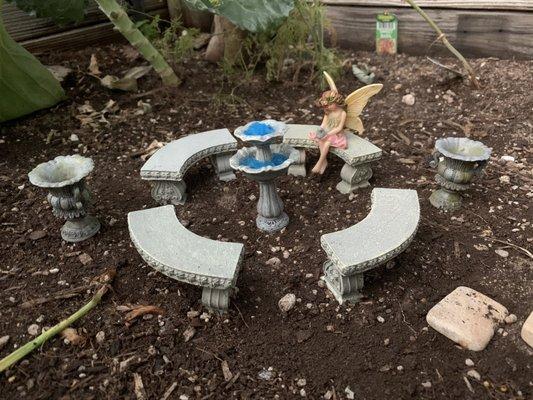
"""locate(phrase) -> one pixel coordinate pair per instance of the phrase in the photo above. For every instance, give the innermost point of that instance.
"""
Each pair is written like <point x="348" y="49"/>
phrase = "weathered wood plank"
<point x="474" y="33"/>
<point x="468" y="4"/>
<point x="79" y="37"/>
<point x="22" y="26"/>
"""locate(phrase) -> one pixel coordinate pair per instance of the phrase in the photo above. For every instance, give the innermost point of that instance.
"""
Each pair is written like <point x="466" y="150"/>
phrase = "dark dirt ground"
<point x="329" y="346"/>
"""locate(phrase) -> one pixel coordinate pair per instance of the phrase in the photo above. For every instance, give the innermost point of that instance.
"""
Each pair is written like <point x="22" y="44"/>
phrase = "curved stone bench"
<point x="385" y="232"/>
<point x="357" y="156"/>
<point x="167" y="246"/>
<point x="167" y="166"/>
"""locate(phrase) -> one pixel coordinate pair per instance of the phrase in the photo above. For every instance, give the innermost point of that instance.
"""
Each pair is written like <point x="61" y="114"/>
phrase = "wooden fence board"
<point x="512" y="5"/>
<point x="22" y="27"/>
<point x="474" y="33"/>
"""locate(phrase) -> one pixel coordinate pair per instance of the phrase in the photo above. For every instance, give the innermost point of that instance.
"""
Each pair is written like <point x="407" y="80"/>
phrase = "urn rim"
<point x="61" y="171"/>
<point x="463" y="149"/>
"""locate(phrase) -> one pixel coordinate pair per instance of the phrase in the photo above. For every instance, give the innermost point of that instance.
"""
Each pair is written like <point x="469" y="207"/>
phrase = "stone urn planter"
<point x="457" y="161"/>
<point x="64" y="178"/>
<point x="263" y="163"/>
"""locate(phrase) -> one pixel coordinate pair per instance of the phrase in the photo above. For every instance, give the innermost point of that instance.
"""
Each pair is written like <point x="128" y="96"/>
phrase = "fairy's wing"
<point x="330" y="81"/>
<point x="355" y="103"/>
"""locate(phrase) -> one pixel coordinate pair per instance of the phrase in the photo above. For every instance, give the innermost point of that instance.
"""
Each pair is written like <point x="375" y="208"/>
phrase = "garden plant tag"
<point x="386" y="33"/>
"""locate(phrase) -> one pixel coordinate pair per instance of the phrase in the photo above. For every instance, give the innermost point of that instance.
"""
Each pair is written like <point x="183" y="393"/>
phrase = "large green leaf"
<point x="25" y="84"/>
<point x="60" y="11"/>
<point x="250" y="15"/>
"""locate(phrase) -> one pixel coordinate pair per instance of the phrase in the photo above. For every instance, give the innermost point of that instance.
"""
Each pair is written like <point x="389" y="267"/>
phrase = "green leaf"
<point x="25" y="84"/>
<point x="60" y="11"/>
<point x="250" y="15"/>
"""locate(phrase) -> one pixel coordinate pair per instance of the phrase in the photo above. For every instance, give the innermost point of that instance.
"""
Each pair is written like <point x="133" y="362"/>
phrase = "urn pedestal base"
<point x="79" y="229"/>
<point x="445" y="199"/>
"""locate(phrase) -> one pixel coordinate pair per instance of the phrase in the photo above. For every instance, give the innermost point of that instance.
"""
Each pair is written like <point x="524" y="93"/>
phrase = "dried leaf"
<point x="226" y="371"/>
<point x="128" y="82"/>
<point x="59" y="72"/>
<point x="93" y="66"/>
<point x="140" y="393"/>
<point x="72" y="336"/>
<point x="115" y="83"/>
<point x="189" y="333"/>
<point x="137" y="311"/>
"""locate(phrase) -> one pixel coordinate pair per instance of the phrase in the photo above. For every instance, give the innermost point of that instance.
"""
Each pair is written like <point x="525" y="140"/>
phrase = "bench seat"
<point x="167" y="246"/>
<point x="166" y="168"/>
<point x="357" y="156"/>
<point x="385" y="232"/>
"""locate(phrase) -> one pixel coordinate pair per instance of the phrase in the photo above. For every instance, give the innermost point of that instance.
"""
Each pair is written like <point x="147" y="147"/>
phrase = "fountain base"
<point x="445" y="199"/>
<point x="272" y="224"/>
<point x="79" y="229"/>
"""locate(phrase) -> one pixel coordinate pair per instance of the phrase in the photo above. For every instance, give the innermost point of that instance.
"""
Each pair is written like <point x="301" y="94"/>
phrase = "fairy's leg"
<point x="323" y="160"/>
<point x="317" y="167"/>
<point x="322" y="163"/>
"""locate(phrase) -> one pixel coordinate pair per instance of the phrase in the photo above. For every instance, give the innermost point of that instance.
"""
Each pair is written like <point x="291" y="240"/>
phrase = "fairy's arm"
<point x="339" y="128"/>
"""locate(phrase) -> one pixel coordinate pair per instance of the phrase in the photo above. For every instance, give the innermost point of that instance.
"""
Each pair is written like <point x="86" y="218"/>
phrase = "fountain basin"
<point x="261" y="132"/>
<point x="250" y="160"/>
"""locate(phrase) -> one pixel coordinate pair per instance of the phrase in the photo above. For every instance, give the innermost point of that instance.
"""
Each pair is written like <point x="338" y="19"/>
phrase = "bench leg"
<point x="298" y="168"/>
<point x="216" y="299"/>
<point x="169" y="192"/>
<point x="221" y="163"/>
<point x="354" y="178"/>
<point x="344" y="287"/>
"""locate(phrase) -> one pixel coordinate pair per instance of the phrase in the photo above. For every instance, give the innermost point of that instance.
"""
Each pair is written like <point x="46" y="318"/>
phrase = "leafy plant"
<point x="296" y="45"/>
<point x="63" y="11"/>
<point x="25" y="84"/>
<point x="249" y="15"/>
<point x="175" y="41"/>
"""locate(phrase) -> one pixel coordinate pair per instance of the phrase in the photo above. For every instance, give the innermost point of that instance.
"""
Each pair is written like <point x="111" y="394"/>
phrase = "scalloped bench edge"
<point x="385" y="232"/>
<point x="357" y="156"/>
<point x="170" y="248"/>
<point x="166" y="168"/>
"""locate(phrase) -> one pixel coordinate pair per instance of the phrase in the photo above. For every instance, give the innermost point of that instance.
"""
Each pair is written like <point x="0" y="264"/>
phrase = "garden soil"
<point x="255" y="351"/>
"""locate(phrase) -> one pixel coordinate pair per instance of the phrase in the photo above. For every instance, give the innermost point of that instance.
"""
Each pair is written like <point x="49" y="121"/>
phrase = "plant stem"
<point x="126" y="27"/>
<point x="43" y="337"/>
<point x="442" y="37"/>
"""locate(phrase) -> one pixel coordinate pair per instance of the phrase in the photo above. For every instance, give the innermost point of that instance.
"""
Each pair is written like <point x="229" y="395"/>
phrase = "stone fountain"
<point x="64" y="177"/>
<point x="263" y="163"/>
<point x="457" y="161"/>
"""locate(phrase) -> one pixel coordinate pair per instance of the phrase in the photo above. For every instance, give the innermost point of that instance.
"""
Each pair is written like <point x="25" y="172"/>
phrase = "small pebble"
<point x="287" y="302"/>
<point x="426" y="384"/>
<point x="380" y="319"/>
<point x="301" y="382"/>
<point x="100" y="336"/>
<point x="474" y="374"/>
<point x="469" y="362"/>
<point x="502" y="253"/>
<point x="510" y="319"/>
<point x="34" y="329"/>
<point x="274" y="261"/>
<point x="408" y="99"/>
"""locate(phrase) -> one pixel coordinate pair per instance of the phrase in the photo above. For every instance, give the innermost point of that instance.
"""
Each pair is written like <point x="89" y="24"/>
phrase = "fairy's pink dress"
<point x="337" y="140"/>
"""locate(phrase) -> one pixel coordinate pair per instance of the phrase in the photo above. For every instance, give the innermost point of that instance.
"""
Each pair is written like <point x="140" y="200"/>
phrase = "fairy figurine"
<point x="336" y="119"/>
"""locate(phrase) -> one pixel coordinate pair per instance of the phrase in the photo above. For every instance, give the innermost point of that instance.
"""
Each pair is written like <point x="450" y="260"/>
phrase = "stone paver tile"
<point x="527" y="330"/>
<point x="467" y="317"/>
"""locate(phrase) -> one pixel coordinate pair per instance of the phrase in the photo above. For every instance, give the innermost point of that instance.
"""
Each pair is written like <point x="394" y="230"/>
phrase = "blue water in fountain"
<point x="258" y="129"/>
<point x="277" y="159"/>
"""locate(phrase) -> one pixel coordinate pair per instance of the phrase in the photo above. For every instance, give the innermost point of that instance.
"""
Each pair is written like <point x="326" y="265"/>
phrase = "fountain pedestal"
<point x="260" y="164"/>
